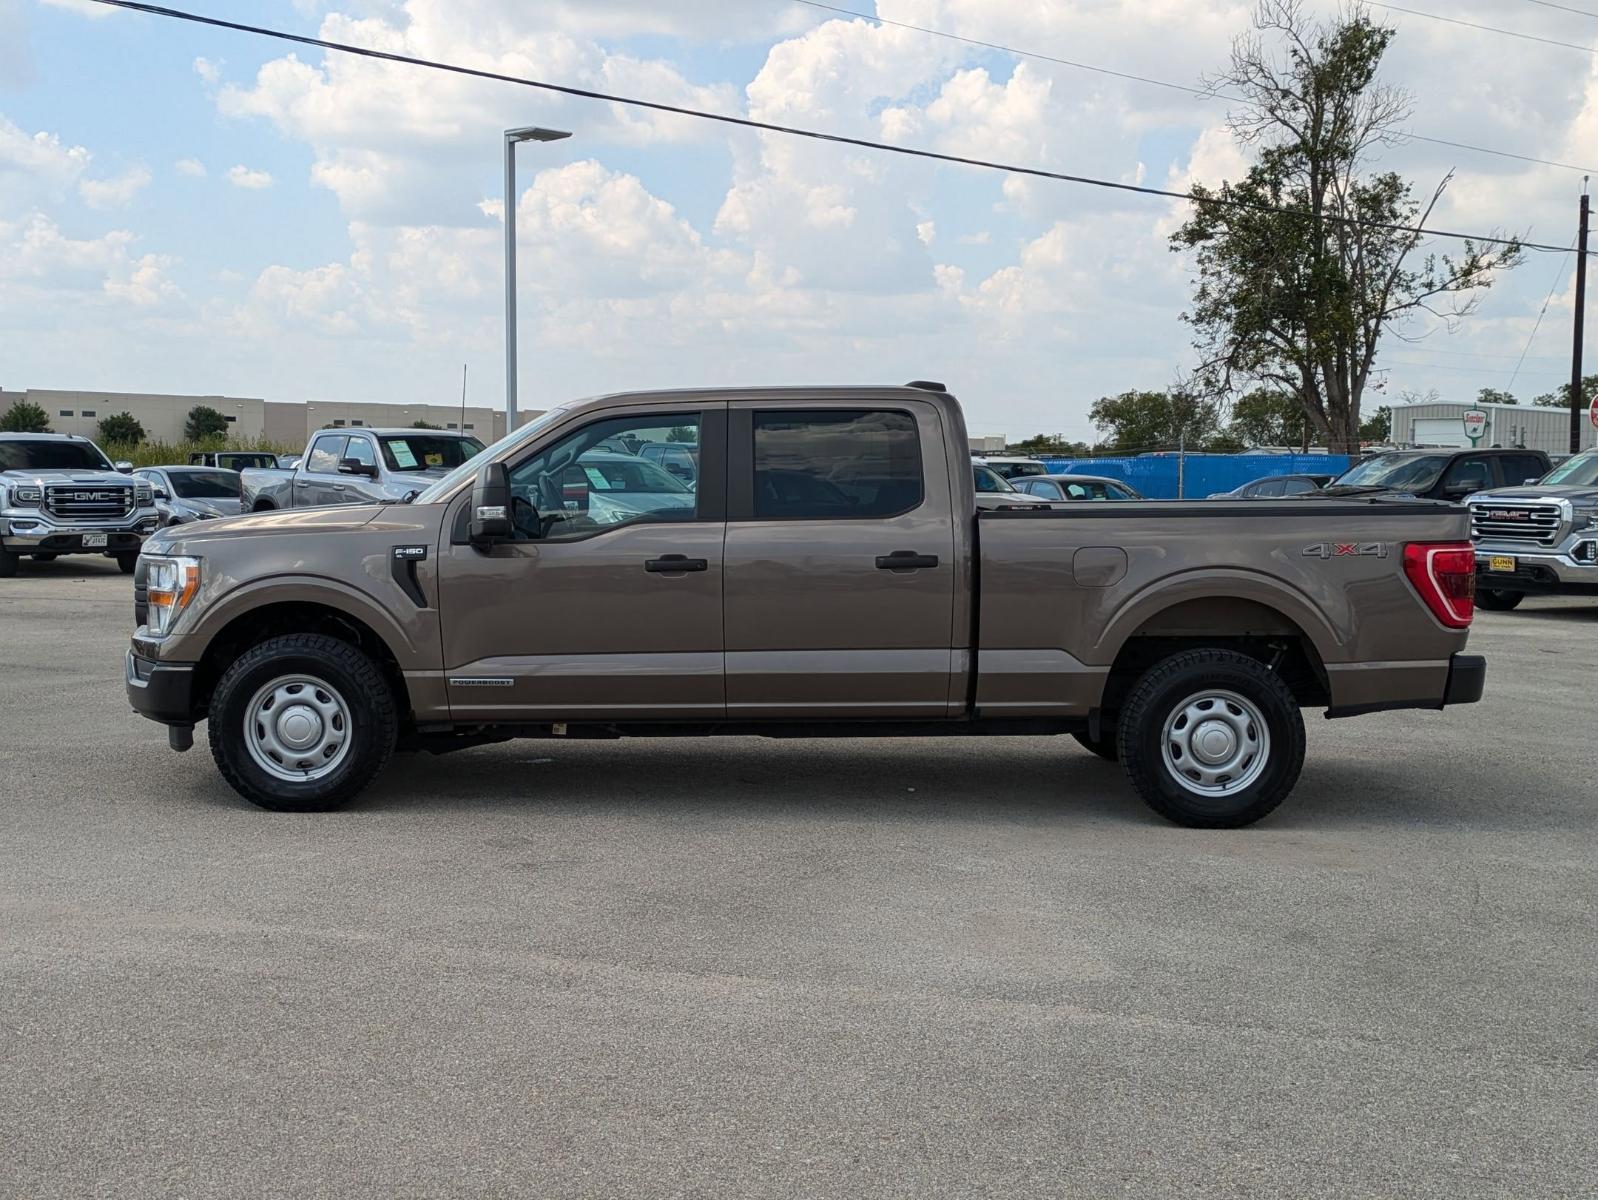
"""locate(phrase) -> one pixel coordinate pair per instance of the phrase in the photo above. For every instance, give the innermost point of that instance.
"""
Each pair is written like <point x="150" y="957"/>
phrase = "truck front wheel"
<point x="1211" y="739"/>
<point x="1498" y="600"/>
<point x="301" y="723"/>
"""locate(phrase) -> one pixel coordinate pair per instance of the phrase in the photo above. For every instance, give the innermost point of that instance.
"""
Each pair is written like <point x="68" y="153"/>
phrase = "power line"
<point x="1580" y="12"/>
<point x="1558" y="279"/>
<point x="1525" y="37"/>
<point x="1203" y="93"/>
<point x="813" y="134"/>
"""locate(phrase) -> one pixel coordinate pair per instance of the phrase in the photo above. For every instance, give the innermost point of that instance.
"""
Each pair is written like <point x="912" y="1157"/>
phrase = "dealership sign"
<point x="1475" y="422"/>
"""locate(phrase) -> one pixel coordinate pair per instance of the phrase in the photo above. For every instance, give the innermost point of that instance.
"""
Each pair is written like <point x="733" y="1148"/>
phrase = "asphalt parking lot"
<point x="746" y="968"/>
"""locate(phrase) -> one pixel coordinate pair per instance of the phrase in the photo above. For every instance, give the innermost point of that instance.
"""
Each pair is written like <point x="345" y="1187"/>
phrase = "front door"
<point x="607" y="603"/>
<point x="840" y="561"/>
<point x="314" y="480"/>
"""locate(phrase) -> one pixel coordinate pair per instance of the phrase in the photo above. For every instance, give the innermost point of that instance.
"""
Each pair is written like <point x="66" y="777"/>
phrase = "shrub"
<point x="121" y="428"/>
<point x="204" y="423"/>
<point x="25" y="417"/>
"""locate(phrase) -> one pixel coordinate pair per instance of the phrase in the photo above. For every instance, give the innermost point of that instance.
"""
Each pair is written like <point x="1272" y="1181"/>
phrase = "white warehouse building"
<point x="1441" y="423"/>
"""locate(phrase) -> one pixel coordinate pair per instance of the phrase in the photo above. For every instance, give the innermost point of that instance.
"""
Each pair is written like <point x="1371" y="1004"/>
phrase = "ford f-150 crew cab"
<point x="357" y="466"/>
<point x="60" y="495"/>
<point x="1539" y="540"/>
<point x="825" y="573"/>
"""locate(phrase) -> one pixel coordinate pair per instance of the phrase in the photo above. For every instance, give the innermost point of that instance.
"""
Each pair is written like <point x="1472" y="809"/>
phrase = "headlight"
<point x="1586" y="518"/>
<point x="143" y="494"/>
<point x="171" y="584"/>
<point x="27" y="495"/>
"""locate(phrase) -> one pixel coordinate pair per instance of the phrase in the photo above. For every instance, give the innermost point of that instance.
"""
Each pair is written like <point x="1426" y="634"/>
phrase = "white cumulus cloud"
<point x="241" y="176"/>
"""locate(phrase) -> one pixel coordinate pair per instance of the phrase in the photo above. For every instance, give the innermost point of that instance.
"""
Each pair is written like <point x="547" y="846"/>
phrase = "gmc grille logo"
<point x="87" y="496"/>
<point x="1506" y="514"/>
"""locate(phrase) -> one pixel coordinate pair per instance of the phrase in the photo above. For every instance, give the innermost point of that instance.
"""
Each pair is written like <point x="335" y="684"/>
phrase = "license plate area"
<point x="94" y="541"/>
<point x="1502" y="563"/>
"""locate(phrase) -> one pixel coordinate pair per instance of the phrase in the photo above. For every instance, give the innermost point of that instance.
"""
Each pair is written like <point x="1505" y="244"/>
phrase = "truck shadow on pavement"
<point x="1050" y="784"/>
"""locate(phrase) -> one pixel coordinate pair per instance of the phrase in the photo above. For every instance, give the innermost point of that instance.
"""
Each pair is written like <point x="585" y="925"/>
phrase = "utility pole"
<point x="463" y="401"/>
<point x="531" y="133"/>
<point x="1581" y="306"/>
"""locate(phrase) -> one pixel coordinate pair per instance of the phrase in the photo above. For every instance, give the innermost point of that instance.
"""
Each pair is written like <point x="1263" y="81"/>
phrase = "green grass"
<point x="169" y="454"/>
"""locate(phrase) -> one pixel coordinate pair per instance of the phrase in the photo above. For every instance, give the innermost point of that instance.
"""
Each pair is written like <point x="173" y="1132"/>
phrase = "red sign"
<point x="1592" y="412"/>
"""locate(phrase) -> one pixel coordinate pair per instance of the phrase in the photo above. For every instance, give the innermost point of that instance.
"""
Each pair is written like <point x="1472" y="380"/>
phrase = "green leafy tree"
<point x="1299" y="299"/>
<point x="1561" y="398"/>
<point x="1377" y="427"/>
<point x="682" y="433"/>
<point x="1495" y="396"/>
<point x="1137" y="421"/>
<point x="1052" y="444"/>
<point x="204" y="423"/>
<point x="121" y="429"/>
<point x="424" y="425"/>
<point x="1266" y="417"/>
<point x="25" y="417"/>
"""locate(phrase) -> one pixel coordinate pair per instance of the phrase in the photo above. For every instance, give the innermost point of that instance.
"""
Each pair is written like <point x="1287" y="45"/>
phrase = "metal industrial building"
<point x="1440" y="423"/>
<point x="249" y="419"/>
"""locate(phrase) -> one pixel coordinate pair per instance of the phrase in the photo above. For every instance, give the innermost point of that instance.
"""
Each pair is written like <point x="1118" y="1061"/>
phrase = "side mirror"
<point x="1532" y="480"/>
<point x="354" y="466"/>
<point x="491" y="521"/>
<point x="161" y="494"/>
<point x="124" y="466"/>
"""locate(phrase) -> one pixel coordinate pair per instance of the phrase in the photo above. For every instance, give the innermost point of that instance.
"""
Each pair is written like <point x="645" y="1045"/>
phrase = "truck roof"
<point x="45" y="437"/>
<point x="384" y="430"/>
<point x="828" y="391"/>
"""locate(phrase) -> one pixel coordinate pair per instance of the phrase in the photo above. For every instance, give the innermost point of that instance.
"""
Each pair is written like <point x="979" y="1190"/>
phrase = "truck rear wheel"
<point x="1211" y="738"/>
<point x="302" y="723"/>
<point x="1498" y="600"/>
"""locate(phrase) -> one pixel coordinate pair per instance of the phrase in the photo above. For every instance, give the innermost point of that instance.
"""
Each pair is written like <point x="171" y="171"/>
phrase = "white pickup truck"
<point x="59" y="494"/>
<point x="358" y="466"/>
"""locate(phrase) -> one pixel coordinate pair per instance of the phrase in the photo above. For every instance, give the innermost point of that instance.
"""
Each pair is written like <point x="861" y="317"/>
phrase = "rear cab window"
<point x="835" y="463"/>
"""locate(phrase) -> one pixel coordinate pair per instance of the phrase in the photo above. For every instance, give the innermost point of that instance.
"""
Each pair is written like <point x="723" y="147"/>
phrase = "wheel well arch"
<point x="262" y="504"/>
<point x="1250" y="627"/>
<point x="295" y="616"/>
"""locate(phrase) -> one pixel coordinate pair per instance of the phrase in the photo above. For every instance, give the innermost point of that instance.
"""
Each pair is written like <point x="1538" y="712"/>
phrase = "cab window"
<point x="360" y="449"/>
<point x="831" y="463"/>
<point x="595" y="480"/>
<point x="325" y="453"/>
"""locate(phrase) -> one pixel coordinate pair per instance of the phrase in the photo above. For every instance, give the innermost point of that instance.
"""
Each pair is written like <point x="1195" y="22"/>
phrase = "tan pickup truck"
<point x="816" y="567"/>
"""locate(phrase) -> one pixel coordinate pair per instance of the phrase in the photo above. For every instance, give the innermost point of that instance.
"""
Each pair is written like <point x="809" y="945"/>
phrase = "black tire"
<point x="127" y="561"/>
<point x="337" y="665"/>
<point x="1169" y="687"/>
<point x="1498" y="600"/>
<point x="264" y="506"/>
<point x="45" y="557"/>
<point x="8" y="564"/>
<point x="1104" y="745"/>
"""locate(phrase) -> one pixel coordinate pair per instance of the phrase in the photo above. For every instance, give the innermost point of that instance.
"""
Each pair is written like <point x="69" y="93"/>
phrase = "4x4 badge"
<point x="1346" y="550"/>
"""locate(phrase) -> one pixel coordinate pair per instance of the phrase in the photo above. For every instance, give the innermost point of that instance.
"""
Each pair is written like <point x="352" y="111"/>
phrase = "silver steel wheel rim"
<point x="297" y="728"/>
<point x="1216" y="743"/>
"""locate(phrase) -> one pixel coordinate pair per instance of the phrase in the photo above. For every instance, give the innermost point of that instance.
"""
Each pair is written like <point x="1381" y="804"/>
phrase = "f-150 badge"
<point x="1346" y="550"/>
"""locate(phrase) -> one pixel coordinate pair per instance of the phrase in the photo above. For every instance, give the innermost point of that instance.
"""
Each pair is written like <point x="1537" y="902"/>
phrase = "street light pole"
<point x="530" y="133"/>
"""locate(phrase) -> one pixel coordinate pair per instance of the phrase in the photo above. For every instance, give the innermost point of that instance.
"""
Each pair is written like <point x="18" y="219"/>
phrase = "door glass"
<point x="598" y="479"/>
<point x="1468" y="474"/>
<point x="832" y="463"/>
<point x="361" y="451"/>
<point x="1271" y="487"/>
<point x="1296" y="487"/>
<point x="325" y="452"/>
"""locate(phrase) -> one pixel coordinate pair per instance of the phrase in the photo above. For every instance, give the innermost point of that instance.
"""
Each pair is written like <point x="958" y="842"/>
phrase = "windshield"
<point x="206" y="485"/>
<point x="1581" y="471"/>
<point x="428" y="451"/>
<point x="604" y="472"/>
<point x="516" y="437"/>
<point x="51" y="456"/>
<point x="989" y="480"/>
<point x="1401" y="472"/>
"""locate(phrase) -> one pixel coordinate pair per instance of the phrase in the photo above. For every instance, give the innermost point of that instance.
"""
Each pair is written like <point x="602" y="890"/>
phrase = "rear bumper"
<point x="162" y="692"/>
<point x="1385" y="687"/>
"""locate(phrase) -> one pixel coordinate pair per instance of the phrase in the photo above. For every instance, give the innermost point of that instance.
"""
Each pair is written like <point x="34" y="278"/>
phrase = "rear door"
<point x="316" y="475"/>
<point x="840" y="560"/>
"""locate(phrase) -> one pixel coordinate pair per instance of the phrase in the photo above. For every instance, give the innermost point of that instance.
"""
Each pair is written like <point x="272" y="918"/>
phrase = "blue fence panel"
<point x="1156" y="476"/>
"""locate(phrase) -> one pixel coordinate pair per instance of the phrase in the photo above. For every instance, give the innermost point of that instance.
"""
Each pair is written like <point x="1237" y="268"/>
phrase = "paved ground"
<point x="845" y="969"/>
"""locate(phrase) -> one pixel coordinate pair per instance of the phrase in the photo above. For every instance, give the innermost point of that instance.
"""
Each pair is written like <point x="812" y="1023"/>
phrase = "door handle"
<point x="338" y="487"/>
<point x="669" y="564"/>
<point x="905" y="560"/>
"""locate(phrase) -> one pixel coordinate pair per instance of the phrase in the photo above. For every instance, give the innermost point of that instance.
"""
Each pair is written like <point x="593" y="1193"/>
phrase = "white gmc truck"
<point x="60" y="495"/>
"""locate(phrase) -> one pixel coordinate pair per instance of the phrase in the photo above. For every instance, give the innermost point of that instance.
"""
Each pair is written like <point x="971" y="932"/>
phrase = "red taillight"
<point x="1444" y="573"/>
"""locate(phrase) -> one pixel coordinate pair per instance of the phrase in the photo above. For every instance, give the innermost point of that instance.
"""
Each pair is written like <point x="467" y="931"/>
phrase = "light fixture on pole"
<point x="530" y="133"/>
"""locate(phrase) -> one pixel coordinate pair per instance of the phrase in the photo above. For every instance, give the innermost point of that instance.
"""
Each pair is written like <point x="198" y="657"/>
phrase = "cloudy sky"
<point x="186" y="209"/>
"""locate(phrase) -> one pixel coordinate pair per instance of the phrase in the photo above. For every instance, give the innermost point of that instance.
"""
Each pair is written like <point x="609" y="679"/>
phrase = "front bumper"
<point x="1571" y="568"/>
<point x="163" y="692"/>
<point x="34" y="534"/>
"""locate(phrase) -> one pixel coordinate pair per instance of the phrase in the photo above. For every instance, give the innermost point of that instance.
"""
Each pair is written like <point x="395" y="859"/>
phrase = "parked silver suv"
<point x="60" y="495"/>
